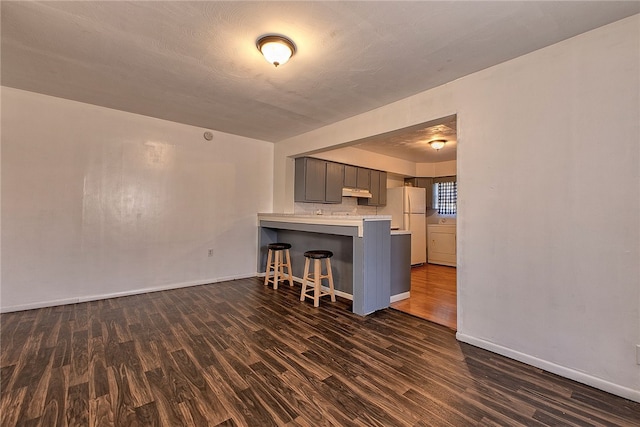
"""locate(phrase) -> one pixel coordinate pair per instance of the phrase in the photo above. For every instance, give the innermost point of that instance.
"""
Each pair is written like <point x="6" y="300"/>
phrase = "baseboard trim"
<point x="341" y="294"/>
<point x="338" y="293"/>
<point x="399" y="297"/>
<point x="563" y="371"/>
<point x="96" y="297"/>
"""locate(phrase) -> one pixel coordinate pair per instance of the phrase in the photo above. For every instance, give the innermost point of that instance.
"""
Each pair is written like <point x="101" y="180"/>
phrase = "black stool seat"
<point x="279" y="246"/>
<point x="318" y="254"/>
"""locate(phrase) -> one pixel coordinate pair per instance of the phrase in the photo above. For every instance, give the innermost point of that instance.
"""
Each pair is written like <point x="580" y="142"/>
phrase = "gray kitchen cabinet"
<point x="356" y="177"/>
<point x="350" y="176"/>
<point x="321" y="181"/>
<point x="318" y="181"/>
<point x="310" y="176"/>
<point x="382" y="200"/>
<point x="334" y="180"/>
<point x="374" y="188"/>
<point x="400" y="263"/>
<point x="427" y="183"/>
<point x="363" y="177"/>
<point x="378" y="189"/>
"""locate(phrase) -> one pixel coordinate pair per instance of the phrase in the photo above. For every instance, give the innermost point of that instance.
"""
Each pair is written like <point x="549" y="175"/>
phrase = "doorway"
<point x="433" y="292"/>
<point x="433" y="295"/>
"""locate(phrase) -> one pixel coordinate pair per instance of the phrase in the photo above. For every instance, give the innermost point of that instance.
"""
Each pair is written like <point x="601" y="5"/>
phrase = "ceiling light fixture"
<point x="276" y="49"/>
<point x="437" y="144"/>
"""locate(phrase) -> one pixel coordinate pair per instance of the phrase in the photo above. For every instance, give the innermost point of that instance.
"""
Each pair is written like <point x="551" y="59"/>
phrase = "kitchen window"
<point x="445" y="197"/>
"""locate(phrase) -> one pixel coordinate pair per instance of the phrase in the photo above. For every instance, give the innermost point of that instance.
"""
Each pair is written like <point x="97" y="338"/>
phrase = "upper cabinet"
<point x="378" y="189"/>
<point x="310" y="177"/>
<point x="356" y="177"/>
<point x="333" y="191"/>
<point x="318" y="181"/>
<point x="321" y="181"/>
<point x="383" y="189"/>
<point x="363" y="181"/>
<point x="351" y="176"/>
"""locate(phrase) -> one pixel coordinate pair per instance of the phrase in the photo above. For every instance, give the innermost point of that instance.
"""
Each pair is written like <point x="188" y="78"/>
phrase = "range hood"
<point x="356" y="192"/>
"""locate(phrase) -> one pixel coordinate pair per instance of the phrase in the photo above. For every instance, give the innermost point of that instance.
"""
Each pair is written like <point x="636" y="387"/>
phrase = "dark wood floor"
<point x="238" y="353"/>
<point x="433" y="295"/>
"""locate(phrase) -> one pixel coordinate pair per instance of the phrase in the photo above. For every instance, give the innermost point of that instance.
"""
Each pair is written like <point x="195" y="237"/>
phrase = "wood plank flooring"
<point x="433" y="295"/>
<point x="241" y="354"/>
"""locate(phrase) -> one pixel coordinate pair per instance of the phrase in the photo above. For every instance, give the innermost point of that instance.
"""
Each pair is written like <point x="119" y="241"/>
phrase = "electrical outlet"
<point x="210" y="252"/>
<point x="638" y="354"/>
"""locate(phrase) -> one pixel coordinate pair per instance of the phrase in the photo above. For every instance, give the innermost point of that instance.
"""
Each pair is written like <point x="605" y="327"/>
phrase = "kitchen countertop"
<point x="333" y="220"/>
<point x="397" y="232"/>
<point x="361" y="246"/>
<point x="339" y="220"/>
<point x="322" y="218"/>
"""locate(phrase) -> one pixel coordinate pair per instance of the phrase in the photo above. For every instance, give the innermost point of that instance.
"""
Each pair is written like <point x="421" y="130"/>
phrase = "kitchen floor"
<point x="433" y="295"/>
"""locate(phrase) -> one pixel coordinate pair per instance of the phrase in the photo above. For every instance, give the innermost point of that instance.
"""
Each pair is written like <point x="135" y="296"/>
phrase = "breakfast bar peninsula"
<point x="361" y="247"/>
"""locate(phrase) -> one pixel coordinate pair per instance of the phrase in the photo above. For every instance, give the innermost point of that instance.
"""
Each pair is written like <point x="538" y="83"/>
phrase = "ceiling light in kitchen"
<point x="437" y="144"/>
<point x="276" y="49"/>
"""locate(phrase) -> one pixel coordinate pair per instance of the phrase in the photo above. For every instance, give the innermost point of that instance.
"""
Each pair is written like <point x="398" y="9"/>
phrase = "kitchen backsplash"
<point x="349" y="206"/>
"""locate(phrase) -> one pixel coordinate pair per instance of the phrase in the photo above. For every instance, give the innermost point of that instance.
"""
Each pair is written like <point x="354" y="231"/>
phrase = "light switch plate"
<point x="638" y="354"/>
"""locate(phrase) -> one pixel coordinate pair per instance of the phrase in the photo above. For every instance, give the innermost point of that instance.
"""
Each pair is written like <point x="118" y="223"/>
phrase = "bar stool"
<point x="278" y="251"/>
<point x="317" y="256"/>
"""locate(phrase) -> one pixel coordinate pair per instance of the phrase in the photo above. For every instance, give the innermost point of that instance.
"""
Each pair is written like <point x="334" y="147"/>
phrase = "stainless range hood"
<point x="356" y="192"/>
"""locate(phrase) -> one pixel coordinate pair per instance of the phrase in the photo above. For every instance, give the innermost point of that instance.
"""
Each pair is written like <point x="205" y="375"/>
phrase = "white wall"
<point x="556" y="280"/>
<point x="359" y="157"/>
<point x="367" y="159"/>
<point x="99" y="202"/>
<point x="394" y="180"/>
<point x="547" y="273"/>
<point x="437" y="169"/>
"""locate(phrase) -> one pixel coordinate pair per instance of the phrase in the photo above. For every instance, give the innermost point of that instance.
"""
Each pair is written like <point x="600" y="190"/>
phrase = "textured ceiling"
<point x="412" y="143"/>
<point x="196" y="62"/>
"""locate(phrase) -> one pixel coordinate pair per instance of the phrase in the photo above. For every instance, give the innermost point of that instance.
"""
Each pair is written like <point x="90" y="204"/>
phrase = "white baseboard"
<point x="341" y="294"/>
<point x="338" y="293"/>
<point x="399" y="297"/>
<point x="39" y="304"/>
<point x="95" y="297"/>
<point x="563" y="371"/>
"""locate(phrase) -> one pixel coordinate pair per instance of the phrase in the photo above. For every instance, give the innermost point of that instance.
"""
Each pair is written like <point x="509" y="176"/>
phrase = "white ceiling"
<point x="196" y="62"/>
<point x="412" y="143"/>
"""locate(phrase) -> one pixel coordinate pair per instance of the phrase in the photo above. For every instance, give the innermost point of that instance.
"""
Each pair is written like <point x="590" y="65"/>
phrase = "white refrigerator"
<point x="407" y="207"/>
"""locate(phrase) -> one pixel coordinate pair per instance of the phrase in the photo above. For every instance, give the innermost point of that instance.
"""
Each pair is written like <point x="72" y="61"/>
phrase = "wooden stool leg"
<point x="266" y="276"/>
<point x="289" y="267"/>
<point x="316" y="279"/>
<point x="304" y="279"/>
<point x="330" y="274"/>
<point x="282" y="265"/>
<point x="276" y="269"/>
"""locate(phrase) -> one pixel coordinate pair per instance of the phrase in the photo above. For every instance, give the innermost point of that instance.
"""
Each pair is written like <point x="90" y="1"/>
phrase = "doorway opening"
<point x="433" y="295"/>
<point x="433" y="291"/>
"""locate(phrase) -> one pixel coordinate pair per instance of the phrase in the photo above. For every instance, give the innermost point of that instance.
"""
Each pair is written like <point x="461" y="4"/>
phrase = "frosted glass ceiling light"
<point x="276" y="49"/>
<point x="437" y="144"/>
